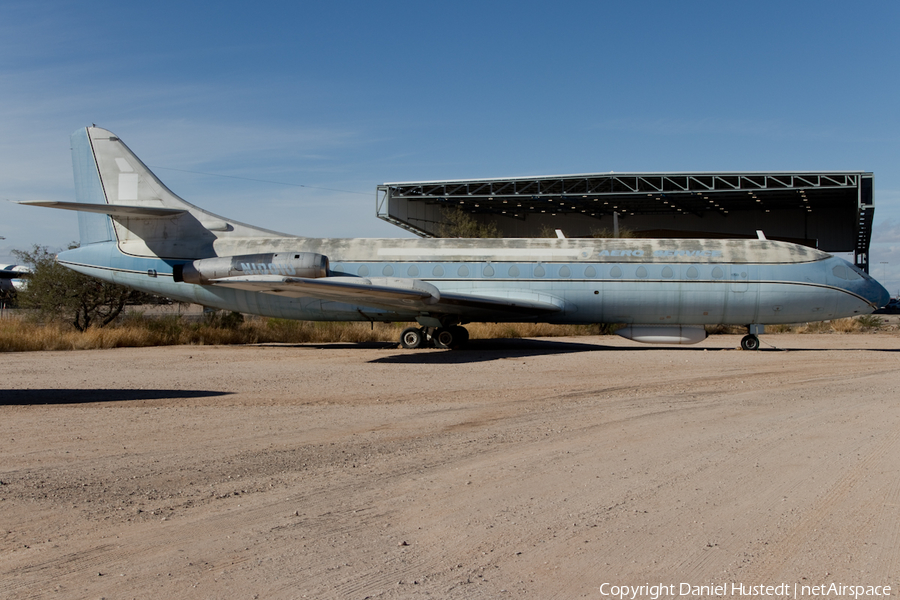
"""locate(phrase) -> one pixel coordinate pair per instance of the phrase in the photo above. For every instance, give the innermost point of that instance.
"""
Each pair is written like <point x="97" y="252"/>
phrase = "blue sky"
<point x="339" y="97"/>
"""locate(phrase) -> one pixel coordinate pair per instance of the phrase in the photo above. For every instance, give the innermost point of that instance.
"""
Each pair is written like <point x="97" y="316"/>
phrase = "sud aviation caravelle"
<point x="136" y="232"/>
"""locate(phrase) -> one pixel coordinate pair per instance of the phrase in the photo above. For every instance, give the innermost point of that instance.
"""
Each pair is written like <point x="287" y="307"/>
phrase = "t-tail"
<point x="120" y="200"/>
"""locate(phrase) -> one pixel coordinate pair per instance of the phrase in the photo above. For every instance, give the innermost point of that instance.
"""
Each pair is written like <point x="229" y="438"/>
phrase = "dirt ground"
<point x="516" y="468"/>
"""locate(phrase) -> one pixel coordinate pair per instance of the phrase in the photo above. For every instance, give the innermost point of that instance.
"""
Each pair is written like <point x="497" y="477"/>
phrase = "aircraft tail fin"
<point x="108" y="172"/>
<point x="119" y="199"/>
<point x="92" y="227"/>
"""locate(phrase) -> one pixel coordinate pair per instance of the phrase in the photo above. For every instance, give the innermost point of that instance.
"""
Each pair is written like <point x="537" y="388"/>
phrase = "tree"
<point x="59" y="293"/>
<point x="460" y="224"/>
<point x="8" y="294"/>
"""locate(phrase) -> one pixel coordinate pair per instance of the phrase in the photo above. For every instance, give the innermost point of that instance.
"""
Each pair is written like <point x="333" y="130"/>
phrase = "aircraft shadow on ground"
<point x="69" y="396"/>
<point x="500" y="349"/>
<point x="496" y="349"/>
<point x="506" y="348"/>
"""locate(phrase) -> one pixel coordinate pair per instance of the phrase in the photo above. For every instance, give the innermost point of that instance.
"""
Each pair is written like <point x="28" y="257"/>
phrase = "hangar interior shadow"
<point x="82" y="396"/>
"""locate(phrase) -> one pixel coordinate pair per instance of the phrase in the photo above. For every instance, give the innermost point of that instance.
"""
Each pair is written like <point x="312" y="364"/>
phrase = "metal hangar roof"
<point x="829" y="210"/>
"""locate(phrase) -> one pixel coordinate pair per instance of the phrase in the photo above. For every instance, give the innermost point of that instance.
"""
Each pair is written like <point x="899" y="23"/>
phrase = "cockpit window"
<point x="846" y="272"/>
<point x="860" y="272"/>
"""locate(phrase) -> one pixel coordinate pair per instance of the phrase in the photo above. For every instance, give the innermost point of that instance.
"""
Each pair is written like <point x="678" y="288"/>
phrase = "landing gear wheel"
<point x="460" y="335"/>
<point x="444" y="338"/>
<point x="412" y="338"/>
<point x="750" y="342"/>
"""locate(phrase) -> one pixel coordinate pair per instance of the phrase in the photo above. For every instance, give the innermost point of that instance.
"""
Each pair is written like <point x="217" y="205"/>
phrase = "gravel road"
<point x="553" y="468"/>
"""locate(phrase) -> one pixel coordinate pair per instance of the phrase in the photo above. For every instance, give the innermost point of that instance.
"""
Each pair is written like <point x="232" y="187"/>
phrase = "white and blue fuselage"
<point x="137" y="233"/>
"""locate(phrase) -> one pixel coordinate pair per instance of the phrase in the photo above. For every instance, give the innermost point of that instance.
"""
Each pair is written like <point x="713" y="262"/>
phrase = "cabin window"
<point x="667" y="272"/>
<point x="590" y="272"/>
<point x="413" y="271"/>
<point x="565" y="272"/>
<point x="693" y="273"/>
<point x="438" y="271"/>
<point x="387" y="271"/>
<point x="641" y="272"/>
<point x="488" y="271"/>
<point x="615" y="272"/>
<point x="514" y="271"/>
<point x="463" y="271"/>
<point x="363" y="271"/>
<point x="718" y="273"/>
<point x="539" y="271"/>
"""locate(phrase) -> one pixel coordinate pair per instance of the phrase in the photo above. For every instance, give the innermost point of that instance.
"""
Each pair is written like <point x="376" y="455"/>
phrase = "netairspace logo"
<point x="737" y="590"/>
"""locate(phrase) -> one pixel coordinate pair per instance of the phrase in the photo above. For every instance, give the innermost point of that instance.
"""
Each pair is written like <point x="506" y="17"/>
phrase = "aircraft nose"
<point x="877" y="294"/>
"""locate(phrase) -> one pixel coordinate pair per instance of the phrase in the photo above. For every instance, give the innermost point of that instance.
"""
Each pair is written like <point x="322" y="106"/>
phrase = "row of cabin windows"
<point x="616" y="272"/>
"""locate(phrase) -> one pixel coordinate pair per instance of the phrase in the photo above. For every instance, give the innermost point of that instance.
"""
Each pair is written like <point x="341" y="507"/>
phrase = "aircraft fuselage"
<point x="687" y="282"/>
<point x="136" y="232"/>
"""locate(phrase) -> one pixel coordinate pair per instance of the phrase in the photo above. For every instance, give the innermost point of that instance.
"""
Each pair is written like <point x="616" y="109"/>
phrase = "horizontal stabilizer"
<point x="388" y="293"/>
<point x="114" y="210"/>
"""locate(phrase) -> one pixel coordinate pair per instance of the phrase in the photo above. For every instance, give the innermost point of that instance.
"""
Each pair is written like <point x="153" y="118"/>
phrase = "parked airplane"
<point x="136" y="232"/>
<point x="13" y="278"/>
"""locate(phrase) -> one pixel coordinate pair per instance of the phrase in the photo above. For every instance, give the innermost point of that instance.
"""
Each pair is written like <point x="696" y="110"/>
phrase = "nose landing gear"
<point x="751" y="340"/>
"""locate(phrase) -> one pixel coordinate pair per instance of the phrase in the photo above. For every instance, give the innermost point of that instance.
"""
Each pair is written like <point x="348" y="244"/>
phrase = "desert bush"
<point x="870" y="322"/>
<point x="848" y="325"/>
<point x="815" y="327"/>
<point x="726" y="329"/>
<point x="457" y="223"/>
<point x="782" y="328"/>
<point x="56" y="293"/>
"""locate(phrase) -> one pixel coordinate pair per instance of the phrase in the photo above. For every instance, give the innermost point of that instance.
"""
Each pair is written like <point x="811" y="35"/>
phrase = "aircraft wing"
<point x="395" y="294"/>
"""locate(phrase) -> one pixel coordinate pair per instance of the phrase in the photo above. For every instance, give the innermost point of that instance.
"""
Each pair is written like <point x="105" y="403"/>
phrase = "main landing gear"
<point x="452" y="337"/>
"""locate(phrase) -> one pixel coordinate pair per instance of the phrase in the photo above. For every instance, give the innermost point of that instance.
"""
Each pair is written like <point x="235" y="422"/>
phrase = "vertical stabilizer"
<point x="92" y="227"/>
<point x="120" y="200"/>
<point x="125" y="180"/>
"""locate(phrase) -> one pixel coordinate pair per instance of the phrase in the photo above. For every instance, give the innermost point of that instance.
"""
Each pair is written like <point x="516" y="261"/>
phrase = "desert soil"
<point x="533" y="468"/>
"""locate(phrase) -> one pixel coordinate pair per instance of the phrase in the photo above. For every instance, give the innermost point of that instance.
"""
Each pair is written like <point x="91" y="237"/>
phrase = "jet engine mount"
<point x="288" y="264"/>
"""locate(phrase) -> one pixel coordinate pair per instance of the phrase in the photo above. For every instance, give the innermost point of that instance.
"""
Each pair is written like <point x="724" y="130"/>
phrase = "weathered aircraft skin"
<point x="136" y="232"/>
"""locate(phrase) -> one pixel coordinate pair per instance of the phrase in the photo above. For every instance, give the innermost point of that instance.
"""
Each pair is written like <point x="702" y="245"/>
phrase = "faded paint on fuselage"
<point x="638" y="281"/>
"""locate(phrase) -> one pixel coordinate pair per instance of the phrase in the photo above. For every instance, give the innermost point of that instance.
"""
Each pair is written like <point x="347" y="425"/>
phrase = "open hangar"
<point x="828" y="210"/>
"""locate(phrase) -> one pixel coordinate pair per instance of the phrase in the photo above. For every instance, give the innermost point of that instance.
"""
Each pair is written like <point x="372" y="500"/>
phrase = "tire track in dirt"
<point x="776" y="563"/>
<point x="593" y="471"/>
<point x="703" y="563"/>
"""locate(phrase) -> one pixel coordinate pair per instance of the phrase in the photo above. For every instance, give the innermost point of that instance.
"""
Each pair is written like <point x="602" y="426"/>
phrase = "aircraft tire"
<point x="411" y="338"/>
<point x="750" y="342"/>
<point x="460" y="336"/>
<point x="444" y="338"/>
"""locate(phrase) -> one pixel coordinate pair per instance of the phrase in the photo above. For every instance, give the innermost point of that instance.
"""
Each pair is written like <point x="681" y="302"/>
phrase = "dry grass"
<point x="489" y="331"/>
<point x="17" y="335"/>
<point x="137" y="330"/>
<point x="847" y="325"/>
